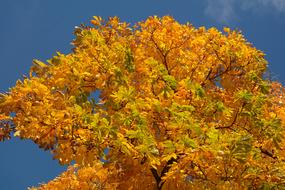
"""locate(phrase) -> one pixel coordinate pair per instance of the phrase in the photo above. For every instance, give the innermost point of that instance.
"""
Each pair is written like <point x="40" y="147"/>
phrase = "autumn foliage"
<point x="179" y="107"/>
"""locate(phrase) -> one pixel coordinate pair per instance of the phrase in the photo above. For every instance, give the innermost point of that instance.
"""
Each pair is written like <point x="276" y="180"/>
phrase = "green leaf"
<point x="265" y="186"/>
<point x="189" y="142"/>
<point x="78" y="108"/>
<point x="213" y="135"/>
<point x="129" y="59"/>
<point x="142" y="149"/>
<point x="196" y="88"/>
<point x="264" y="87"/>
<point x="170" y="81"/>
<point x="200" y="92"/>
<point x="220" y="106"/>
<point x="244" y="95"/>
<point x="132" y="134"/>
<point x="169" y="146"/>
<point x="241" y="148"/>
<point x="196" y="128"/>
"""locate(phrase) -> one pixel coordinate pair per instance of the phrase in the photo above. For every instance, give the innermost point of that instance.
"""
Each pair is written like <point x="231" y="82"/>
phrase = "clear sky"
<point x="38" y="28"/>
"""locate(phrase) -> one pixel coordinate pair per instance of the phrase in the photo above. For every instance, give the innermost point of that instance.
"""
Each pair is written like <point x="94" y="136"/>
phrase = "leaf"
<point x="170" y="81"/>
<point x="17" y="134"/>
<point x="169" y="146"/>
<point x="213" y="135"/>
<point x="129" y="59"/>
<point x="169" y="157"/>
<point x="189" y="142"/>
<point x="132" y="134"/>
<point x="39" y="63"/>
<point x="244" y="95"/>
<point x="220" y="106"/>
<point x="241" y="148"/>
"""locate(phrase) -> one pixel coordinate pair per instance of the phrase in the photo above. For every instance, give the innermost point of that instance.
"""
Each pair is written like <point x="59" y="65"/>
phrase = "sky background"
<point x="37" y="29"/>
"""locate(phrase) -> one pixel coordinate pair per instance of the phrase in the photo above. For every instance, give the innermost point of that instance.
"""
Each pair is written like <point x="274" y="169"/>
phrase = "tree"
<point x="179" y="107"/>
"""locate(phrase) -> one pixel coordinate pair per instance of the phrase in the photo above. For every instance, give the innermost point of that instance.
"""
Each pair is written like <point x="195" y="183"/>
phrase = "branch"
<point x="156" y="176"/>
<point x="235" y="118"/>
<point x="164" y="55"/>
<point x="165" y="169"/>
<point x="267" y="153"/>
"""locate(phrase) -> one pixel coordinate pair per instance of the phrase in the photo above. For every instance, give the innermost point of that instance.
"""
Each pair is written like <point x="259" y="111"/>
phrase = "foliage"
<point x="179" y="108"/>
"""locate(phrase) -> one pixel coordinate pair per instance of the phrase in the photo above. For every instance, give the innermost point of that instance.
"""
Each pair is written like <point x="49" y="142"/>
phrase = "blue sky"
<point x="37" y="29"/>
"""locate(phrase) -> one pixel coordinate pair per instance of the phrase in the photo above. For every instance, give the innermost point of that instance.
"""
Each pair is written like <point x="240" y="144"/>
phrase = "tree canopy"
<point x="158" y="105"/>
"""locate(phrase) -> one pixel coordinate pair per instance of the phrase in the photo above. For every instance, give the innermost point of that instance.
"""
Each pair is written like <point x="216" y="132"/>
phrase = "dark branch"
<point x="165" y="169"/>
<point x="156" y="177"/>
<point x="234" y="120"/>
<point x="267" y="153"/>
